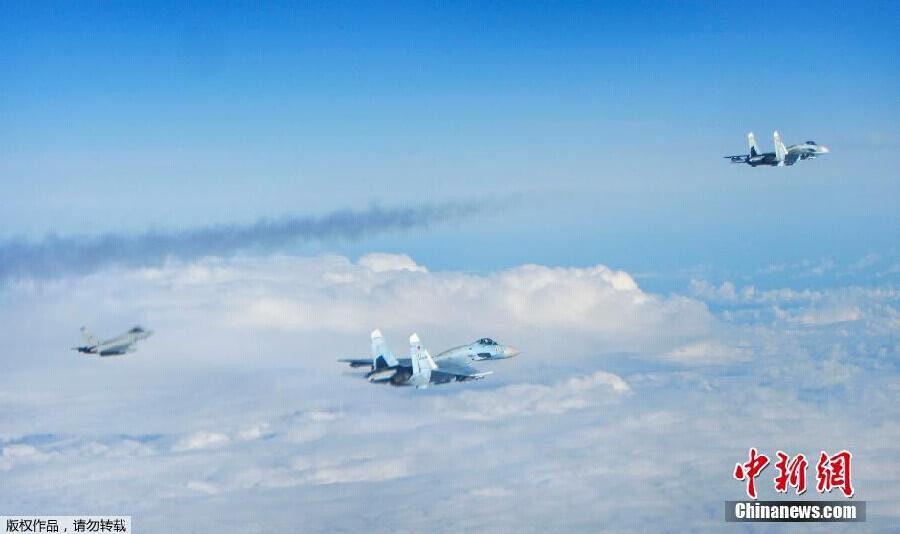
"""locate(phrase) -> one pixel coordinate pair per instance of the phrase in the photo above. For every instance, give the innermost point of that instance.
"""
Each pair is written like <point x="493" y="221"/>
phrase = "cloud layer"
<point x="628" y="409"/>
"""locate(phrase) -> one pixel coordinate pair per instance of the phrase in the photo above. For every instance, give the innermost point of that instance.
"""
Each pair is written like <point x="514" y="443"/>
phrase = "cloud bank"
<point x="627" y="410"/>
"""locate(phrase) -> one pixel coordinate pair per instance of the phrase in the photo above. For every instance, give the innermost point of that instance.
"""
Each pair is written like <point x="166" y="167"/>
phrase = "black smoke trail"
<point x="57" y="256"/>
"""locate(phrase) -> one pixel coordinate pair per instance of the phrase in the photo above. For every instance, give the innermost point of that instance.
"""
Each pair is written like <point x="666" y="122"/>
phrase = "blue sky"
<point x="596" y="128"/>
<point x="673" y="309"/>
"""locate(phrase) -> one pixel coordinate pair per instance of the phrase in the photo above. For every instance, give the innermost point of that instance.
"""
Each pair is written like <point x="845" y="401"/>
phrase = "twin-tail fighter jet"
<point x="116" y="346"/>
<point x="421" y="369"/>
<point x="783" y="155"/>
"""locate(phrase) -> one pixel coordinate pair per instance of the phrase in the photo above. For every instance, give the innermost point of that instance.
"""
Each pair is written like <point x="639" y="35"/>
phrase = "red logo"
<point x="791" y="473"/>
<point x="831" y="472"/>
<point x="750" y="470"/>
<point x="834" y="472"/>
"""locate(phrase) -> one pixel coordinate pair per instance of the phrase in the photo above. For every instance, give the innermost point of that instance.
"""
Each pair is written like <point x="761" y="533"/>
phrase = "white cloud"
<point x="204" y="487"/>
<point x="368" y="471"/>
<point x="19" y="451"/>
<point x="251" y="299"/>
<point x="627" y="407"/>
<point x="380" y="262"/>
<point x="828" y="315"/>
<point x="708" y="352"/>
<point x="529" y="399"/>
<point x="20" y="454"/>
<point x="255" y="431"/>
<point x="491" y="492"/>
<point x="595" y="305"/>
<point x="201" y="440"/>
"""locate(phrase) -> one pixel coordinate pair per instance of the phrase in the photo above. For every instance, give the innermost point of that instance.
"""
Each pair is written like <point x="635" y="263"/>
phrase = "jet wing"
<point x="121" y="338"/>
<point x="460" y="369"/>
<point x="791" y="157"/>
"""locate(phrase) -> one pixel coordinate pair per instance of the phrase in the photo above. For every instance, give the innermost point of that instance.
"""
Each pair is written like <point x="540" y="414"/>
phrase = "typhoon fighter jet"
<point x="783" y="155"/>
<point x="116" y="346"/>
<point x="421" y="369"/>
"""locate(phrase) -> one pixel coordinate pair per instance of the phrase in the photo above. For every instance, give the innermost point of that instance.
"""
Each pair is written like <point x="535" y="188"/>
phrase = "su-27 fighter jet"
<point x="117" y="346"/>
<point x="783" y="156"/>
<point x="420" y="369"/>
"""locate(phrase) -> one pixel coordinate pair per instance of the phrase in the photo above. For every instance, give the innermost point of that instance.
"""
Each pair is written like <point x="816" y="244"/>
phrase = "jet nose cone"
<point x="823" y="149"/>
<point x="511" y="352"/>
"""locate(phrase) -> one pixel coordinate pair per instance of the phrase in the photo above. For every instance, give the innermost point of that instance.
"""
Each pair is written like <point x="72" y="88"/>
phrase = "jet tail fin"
<point x="754" y="148"/>
<point x="780" y="150"/>
<point x="422" y="363"/>
<point x="89" y="338"/>
<point x="381" y="354"/>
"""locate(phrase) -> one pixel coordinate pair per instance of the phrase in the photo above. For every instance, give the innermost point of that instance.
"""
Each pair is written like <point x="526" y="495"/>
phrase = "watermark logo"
<point x="117" y="524"/>
<point x="833" y="472"/>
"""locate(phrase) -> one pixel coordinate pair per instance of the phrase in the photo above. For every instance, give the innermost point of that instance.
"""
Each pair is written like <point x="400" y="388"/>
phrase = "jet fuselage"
<point x="116" y="346"/>
<point x="483" y="349"/>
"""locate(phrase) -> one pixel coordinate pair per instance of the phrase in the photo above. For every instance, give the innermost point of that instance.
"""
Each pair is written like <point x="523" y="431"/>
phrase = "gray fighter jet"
<point x="420" y="369"/>
<point x="116" y="346"/>
<point x="783" y="156"/>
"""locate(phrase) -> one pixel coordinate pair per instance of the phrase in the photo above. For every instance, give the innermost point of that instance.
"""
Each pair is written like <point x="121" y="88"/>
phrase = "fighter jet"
<point x="783" y="156"/>
<point x="116" y="346"/>
<point x="420" y="369"/>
